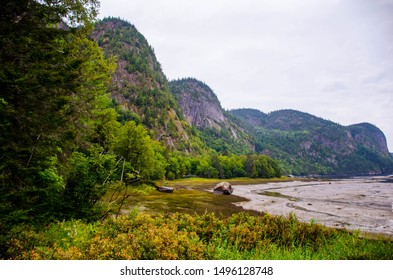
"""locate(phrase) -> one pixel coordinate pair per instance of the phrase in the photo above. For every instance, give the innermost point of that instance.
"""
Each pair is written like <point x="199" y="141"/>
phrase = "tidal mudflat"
<point x="360" y="203"/>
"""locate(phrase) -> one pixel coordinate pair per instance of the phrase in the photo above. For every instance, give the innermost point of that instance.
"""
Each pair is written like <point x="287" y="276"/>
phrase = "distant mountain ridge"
<point x="311" y="145"/>
<point x="186" y="115"/>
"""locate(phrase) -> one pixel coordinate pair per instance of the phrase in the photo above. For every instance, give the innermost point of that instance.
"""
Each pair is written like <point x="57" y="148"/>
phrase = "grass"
<point x="178" y="236"/>
<point x="182" y="200"/>
<point x="193" y="223"/>
<point x="191" y="196"/>
<point x="277" y="194"/>
<point x="203" y="183"/>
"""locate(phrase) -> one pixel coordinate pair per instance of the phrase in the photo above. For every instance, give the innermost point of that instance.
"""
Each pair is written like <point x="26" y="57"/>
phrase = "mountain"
<point x="202" y="110"/>
<point x="139" y="88"/>
<point x="186" y="115"/>
<point x="199" y="103"/>
<point x="370" y="136"/>
<point x="307" y="144"/>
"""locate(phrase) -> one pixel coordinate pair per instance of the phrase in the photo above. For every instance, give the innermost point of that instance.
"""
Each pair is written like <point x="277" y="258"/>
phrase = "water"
<point x="364" y="203"/>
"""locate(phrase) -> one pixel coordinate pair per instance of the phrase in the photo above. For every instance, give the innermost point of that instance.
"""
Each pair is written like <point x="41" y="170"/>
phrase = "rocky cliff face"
<point x="139" y="86"/>
<point x="199" y="104"/>
<point x="369" y="136"/>
<point x="202" y="109"/>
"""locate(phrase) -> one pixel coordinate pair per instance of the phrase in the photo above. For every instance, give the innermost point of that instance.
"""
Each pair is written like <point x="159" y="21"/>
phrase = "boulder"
<point x="223" y="188"/>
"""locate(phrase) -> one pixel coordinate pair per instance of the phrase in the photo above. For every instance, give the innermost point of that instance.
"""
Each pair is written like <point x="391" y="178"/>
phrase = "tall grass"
<point x="184" y="236"/>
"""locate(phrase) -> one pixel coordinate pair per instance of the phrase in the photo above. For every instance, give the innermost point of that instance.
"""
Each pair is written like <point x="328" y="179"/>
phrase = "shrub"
<point x="191" y="237"/>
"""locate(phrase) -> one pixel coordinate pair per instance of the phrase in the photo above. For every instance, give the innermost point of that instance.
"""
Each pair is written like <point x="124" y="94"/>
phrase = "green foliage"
<point x="143" y="155"/>
<point x="305" y="144"/>
<point x="52" y="78"/>
<point x="179" y="165"/>
<point x="222" y="141"/>
<point x="262" y="166"/>
<point x="220" y="166"/>
<point x="192" y="237"/>
<point x="205" y="169"/>
<point x="86" y="178"/>
<point x="105" y="128"/>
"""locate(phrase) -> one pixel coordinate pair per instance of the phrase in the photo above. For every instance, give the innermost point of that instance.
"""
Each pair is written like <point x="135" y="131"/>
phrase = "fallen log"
<point x="164" y="189"/>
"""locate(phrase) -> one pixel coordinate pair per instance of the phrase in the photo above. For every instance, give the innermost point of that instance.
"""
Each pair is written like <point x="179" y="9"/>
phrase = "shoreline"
<point x="364" y="204"/>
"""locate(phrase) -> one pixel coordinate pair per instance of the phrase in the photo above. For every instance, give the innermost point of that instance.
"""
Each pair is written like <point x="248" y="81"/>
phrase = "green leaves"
<point x="105" y="128"/>
<point x="191" y="237"/>
<point x="87" y="175"/>
<point x="142" y="153"/>
<point x="51" y="177"/>
<point x="52" y="81"/>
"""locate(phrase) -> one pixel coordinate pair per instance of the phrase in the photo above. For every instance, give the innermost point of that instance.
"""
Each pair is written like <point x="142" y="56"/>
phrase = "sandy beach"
<point x="359" y="203"/>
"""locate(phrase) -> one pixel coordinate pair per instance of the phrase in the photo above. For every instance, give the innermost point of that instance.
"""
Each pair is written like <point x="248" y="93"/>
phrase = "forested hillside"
<point x="140" y="88"/>
<point x="306" y="144"/>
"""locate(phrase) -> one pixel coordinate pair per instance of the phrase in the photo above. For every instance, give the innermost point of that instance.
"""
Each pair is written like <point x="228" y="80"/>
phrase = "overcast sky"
<point x="329" y="58"/>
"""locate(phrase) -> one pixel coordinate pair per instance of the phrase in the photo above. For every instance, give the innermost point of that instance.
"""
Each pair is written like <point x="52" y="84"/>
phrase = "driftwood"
<point x="164" y="189"/>
<point x="223" y="188"/>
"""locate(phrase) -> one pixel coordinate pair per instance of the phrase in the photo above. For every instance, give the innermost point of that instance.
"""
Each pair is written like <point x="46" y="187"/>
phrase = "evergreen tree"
<point x="51" y="79"/>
